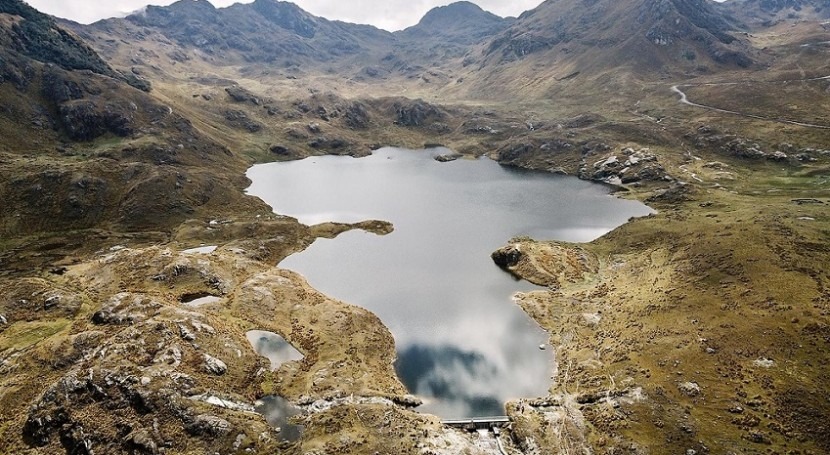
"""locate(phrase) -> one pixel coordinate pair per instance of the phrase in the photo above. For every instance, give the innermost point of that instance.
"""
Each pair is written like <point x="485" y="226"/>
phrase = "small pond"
<point x="463" y="345"/>
<point x="277" y="410"/>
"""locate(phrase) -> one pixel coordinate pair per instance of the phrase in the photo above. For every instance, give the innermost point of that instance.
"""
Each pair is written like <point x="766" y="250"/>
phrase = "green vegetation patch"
<point x="26" y="334"/>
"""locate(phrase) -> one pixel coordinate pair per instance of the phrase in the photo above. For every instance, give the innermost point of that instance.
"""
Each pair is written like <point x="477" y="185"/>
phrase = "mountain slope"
<point x="35" y="35"/>
<point x="650" y="34"/>
<point x="83" y="149"/>
<point x="766" y="13"/>
<point x="578" y="49"/>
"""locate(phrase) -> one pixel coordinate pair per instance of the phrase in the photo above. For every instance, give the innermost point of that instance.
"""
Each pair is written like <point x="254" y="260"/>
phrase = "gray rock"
<point x="507" y="256"/>
<point x="764" y="362"/>
<point x="241" y="95"/>
<point x="690" y="389"/>
<point x="186" y="334"/>
<point x="448" y="157"/>
<point x="280" y="150"/>
<point x="205" y="424"/>
<point x="214" y="365"/>
<point x="143" y="442"/>
<point x="51" y="301"/>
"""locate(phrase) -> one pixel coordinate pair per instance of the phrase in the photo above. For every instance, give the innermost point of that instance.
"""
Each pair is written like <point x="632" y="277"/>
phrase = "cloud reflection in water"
<point x="463" y="345"/>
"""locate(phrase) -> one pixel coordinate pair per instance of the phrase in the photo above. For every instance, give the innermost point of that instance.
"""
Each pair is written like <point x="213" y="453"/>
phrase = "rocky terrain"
<point x="700" y="329"/>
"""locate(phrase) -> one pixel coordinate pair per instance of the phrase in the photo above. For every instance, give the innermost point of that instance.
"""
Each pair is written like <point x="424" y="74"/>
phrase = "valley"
<point x="700" y="328"/>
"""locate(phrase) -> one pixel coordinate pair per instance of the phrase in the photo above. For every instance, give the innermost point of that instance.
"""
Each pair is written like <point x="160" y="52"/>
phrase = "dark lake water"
<point x="463" y="345"/>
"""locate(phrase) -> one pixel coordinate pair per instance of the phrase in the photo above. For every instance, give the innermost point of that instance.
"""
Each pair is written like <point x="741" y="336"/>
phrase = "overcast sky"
<point x="388" y="14"/>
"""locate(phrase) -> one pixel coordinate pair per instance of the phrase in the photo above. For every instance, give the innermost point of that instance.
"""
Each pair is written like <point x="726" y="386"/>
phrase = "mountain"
<point x="459" y="50"/>
<point x="32" y="34"/>
<point x="644" y="35"/>
<point x="83" y="147"/>
<point x="459" y="23"/>
<point x="266" y="31"/>
<point x="765" y="13"/>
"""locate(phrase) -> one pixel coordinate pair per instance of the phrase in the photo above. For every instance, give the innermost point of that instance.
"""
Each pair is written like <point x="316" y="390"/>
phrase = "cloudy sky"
<point x="389" y="14"/>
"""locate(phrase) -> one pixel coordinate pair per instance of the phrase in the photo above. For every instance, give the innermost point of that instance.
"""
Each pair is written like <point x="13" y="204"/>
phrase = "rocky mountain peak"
<point x="442" y="16"/>
<point x="462" y="22"/>
<point x="288" y="16"/>
<point x="685" y="17"/>
<point x="176" y="14"/>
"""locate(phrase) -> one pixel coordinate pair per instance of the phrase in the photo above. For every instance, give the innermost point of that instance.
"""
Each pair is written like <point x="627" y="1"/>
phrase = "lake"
<point x="463" y="345"/>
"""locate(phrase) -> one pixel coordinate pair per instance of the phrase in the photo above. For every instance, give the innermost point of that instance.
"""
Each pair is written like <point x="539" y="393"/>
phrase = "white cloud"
<point x="390" y="14"/>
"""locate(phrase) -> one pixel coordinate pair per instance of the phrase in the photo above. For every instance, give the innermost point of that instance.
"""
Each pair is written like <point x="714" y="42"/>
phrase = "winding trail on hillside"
<point x="685" y="100"/>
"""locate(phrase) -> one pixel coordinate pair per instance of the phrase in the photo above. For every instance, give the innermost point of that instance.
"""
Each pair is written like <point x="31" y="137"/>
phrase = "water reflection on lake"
<point x="273" y="347"/>
<point x="278" y="412"/>
<point x="463" y="345"/>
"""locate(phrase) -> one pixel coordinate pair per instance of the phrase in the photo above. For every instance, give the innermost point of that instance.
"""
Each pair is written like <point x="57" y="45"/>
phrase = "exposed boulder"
<point x="506" y="257"/>
<point x="209" y="425"/>
<point x="280" y="150"/>
<point x="446" y="158"/>
<point x="690" y="389"/>
<point x="331" y="144"/>
<point x="142" y="442"/>
<point x="215" y="366"/>
<point x="678" y="192"/>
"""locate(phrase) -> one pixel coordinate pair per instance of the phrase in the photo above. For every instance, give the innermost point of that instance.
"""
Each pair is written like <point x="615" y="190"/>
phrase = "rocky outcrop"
<point x="215" y="366"/>
<point x="447" y="157"/>
<point x="239" y="119"/>
<point x="357" y="116"/>
<point x="417" y="114"/>
<point x="630" y="166"/>
<point x="546" y="264"/>
<point x="507" y="257"/>
<point x="241" y="95"/>
<point x="84" y="120"/>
